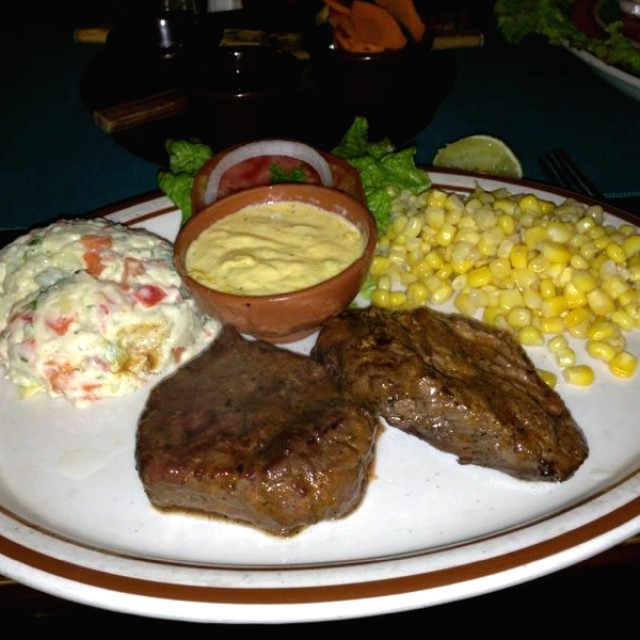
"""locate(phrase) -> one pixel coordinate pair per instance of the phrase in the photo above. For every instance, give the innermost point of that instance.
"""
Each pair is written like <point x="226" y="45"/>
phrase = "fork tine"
<point x="562" y="170"/>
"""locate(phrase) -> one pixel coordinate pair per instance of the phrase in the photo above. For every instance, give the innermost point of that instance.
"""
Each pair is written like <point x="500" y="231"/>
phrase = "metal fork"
<point x="563" y="172"/>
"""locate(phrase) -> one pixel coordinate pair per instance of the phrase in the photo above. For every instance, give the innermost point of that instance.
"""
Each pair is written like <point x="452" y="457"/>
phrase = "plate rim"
<point x="614" y="75"/>
<point x="30" y="562"/>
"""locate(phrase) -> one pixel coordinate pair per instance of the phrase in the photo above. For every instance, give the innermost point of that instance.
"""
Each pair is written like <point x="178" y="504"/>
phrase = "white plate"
<point x="621" y="80"/>
<point x="75" y="523"/>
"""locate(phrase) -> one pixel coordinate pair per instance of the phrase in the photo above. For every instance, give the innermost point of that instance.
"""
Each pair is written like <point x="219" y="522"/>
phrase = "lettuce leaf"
<point x="551" y="19"/>
<point x="384" y="171"/>
<point x="186" y="157"/>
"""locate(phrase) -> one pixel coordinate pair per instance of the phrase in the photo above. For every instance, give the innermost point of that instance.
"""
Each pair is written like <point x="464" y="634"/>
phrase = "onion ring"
<point x="298" y="150"/>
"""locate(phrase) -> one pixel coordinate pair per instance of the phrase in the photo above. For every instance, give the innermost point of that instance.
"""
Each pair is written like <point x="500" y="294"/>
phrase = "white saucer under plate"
<point x="621" y="80"/>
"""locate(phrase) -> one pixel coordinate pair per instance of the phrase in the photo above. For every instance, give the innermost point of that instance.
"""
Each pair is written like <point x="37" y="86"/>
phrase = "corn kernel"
<point x="551" y="325"/>
<point x="548" y="377"/>
<point x="464" y="304"/>
<point x="381" y="298"/>
<point x="546" y="206"/>
<point x="412" y="228"/>
<point x="581" y="375"/>
<point x="397" y="299"/>
<point x="623" y="320"/>
<point x="618" y="342"/>
<point x="600" y="350"/>
<point x="631" y="245"/>
<point x="583" y="280"/>
<point x="524" y="278"/>
<point x="616" y="253"/>
<point x="532" y="299"/>
<point x="436" y="198"/>
<point x="579" y="330"/>
<point x="530" y="337"/>
<point x="602" y="329"/>
<point x="575" y="298"/>
<point x="506" y="204"/>
<point x="480" y="297"/>
<point x="379" y="265"/>
<point x="615" y="287"/>
<point x="519" y="317"/>
<point x="553" y="306"/>
<point x="441" y="294"/>
<point x="490" y="314"/>
<point x="559" y="232"/>
<point x="565" y="357"/>
<point x="510" y="298"/>
<point x="500" y="268"/>
<point x="600" y="302"/>
<point x="506" y="221"/>
<point x="547" y="288"/>
<point x="576" y="316"/>
<point x="529" y="203"/>
<point x="578" y="262"/>
<point x="534" y="236"/>
<point x="519" y="256"/>
<point x="479" y="277"/>
<point x="623" y="364"/>
<point x="557" y="343"/>
<point x="434" y="259"/>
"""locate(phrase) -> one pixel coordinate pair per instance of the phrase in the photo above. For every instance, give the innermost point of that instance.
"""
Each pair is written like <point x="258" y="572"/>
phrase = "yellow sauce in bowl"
<point x="273" y="247"/>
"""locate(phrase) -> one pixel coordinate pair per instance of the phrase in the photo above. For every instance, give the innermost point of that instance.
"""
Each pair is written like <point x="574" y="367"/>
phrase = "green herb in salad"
<point x="384" y="171"/>
<point x="278" y="174"/>
<point x="517" y="19"/>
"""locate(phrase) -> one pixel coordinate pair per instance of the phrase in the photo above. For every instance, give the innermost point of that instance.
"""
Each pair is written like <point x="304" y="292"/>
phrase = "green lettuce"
<point x="384" y="171"/>
<point x="186" y="158"/>
<point x="517" y="19"/>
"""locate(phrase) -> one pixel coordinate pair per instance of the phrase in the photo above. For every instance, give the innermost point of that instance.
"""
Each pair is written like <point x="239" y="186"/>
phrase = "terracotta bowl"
<point x="284" y="317"/>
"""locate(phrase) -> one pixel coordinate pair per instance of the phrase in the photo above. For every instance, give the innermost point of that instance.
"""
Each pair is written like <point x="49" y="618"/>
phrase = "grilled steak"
<point x="256" y="434"/>
<point x="458" y="384"/>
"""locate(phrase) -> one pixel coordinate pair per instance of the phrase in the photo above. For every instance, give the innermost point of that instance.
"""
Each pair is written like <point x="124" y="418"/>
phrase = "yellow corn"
<point x="530" y="337"/>
<point x="623" y="364"/>
<point x="554" y="306"/>
<point x="565" y="357"/>
<point x="551" y="325"/>
<point x="519" y="256"/>
<point x="479" y="277"/>
<point x="557" y="343"/>
<point x="519" y="317"/>
<point x="631" y="245"/>
<point x="548" y="377"/>
<point x="580" y="374"/>
<point x="600" y="302"/>
<point x="583" y="280"/>
<point x="547" y="288"/>
<point x="600" y="350"/>
<point x="521" y="263"/>
<point x="381" y="298"/>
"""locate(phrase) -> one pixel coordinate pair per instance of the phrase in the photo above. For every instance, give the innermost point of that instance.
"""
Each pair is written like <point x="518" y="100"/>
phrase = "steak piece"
<point x="255" y="434"/>
<point x="457" y="383"/>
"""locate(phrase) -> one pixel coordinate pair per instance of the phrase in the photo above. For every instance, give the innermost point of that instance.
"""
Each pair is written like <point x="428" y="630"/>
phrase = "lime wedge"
<point x="480" y="154"/>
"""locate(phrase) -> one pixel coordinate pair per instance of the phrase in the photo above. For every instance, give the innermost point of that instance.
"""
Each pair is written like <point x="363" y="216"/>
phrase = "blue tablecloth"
<point x="55" y="161"/>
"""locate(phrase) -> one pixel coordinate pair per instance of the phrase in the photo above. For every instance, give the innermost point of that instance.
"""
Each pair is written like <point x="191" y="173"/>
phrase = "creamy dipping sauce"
<point x="274" y="247"/>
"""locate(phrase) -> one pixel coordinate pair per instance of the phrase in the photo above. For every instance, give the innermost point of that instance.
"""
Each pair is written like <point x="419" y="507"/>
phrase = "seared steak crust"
<point x="462" y="386"/>
<point x="256" y="434"/>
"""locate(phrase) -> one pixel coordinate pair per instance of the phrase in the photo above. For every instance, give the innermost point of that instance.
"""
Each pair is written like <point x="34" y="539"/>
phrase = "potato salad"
<point x="90" y="309"/>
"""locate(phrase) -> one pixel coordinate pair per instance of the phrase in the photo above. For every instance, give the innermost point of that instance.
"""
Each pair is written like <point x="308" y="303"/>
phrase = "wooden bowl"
<point x="283" y="317"/>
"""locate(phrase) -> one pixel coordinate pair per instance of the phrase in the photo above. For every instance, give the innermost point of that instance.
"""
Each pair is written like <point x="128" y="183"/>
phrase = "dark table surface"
<point x="56" y="162"/>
